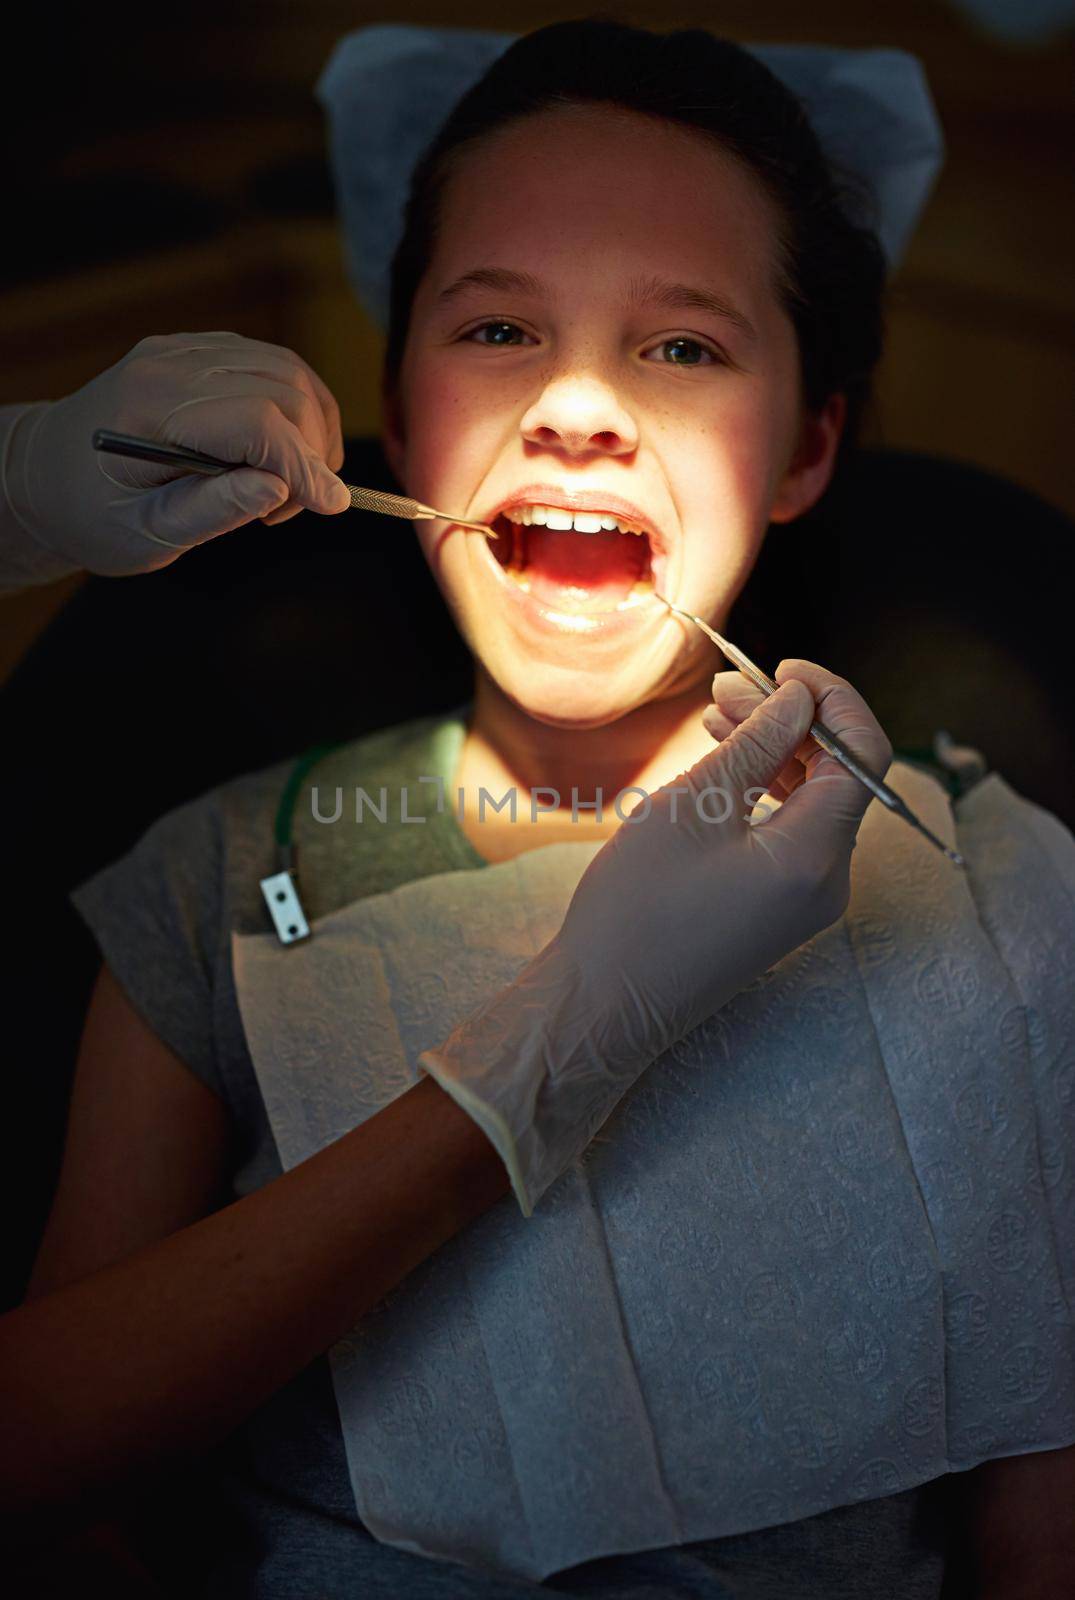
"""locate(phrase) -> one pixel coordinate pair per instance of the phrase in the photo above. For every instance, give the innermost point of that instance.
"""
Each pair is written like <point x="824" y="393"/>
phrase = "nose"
<point x="580" y="416"/>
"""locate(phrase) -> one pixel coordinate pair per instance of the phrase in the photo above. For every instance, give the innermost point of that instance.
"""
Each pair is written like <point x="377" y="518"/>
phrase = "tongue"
<point x="582" y="569"/>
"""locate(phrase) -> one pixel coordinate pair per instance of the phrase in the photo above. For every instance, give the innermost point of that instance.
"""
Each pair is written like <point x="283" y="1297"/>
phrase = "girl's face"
<point x="568" y="366"/>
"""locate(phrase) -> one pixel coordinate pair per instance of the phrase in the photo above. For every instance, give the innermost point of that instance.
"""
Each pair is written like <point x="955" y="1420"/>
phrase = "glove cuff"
<point x="530" y="1069"/>
<point x="26" y="557"/>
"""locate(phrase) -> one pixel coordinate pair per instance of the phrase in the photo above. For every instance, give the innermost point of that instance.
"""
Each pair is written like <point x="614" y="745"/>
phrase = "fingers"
<point x="309" y="399"/>
<point x="825" y="810"/>
<point x="193" y="351"/>
<point x="192" y="509"/>
<point x="841" y="709"/>
<point x="331" y="413"/>
<point x="735" y="697"/>
<point x="845" y="713"/>
<point x="755" y="752"/>
<point x="296" y="403"/>
<point x="170" y="374"/>
<point x="259" y="429"/>
<point x="839" y="706"/>
<point x="720" y="727"/>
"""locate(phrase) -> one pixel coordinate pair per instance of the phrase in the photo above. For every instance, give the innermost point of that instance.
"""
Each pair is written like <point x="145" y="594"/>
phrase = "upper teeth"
<point x="555" y="517"/>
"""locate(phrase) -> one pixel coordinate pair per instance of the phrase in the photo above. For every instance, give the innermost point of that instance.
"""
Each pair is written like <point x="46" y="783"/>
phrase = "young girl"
<point x="626" y="286"/>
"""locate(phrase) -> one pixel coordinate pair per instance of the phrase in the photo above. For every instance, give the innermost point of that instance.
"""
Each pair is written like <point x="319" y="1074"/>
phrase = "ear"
<point x="810" y="469"/>
<point x="393" y="441"/>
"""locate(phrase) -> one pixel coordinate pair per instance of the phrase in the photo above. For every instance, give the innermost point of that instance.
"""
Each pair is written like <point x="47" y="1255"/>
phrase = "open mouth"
<point x="572" y="570"/>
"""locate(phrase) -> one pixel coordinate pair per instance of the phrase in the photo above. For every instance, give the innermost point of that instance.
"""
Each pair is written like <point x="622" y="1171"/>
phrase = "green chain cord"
<point x="285" y="811"/>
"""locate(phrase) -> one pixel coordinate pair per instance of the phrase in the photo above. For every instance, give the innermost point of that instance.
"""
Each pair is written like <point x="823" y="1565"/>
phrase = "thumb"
<point x="757" y="751"/>
<point x="191" y="509"/>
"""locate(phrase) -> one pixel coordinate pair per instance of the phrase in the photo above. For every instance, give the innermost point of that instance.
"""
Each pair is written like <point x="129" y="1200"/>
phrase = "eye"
<point x="681" y="343"/>
<point x="499" y="326"/>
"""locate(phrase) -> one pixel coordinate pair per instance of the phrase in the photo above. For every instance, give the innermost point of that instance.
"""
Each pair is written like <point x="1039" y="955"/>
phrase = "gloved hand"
<point x="674" y="915"/>
<point x="235" y="398"/>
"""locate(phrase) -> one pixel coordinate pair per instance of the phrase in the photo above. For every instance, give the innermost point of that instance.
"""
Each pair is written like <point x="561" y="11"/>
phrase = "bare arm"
<point x="160" y="1352"/>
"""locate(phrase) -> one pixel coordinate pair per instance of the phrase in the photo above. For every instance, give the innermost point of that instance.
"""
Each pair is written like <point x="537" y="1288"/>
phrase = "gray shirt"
<point x="163" y="917"/>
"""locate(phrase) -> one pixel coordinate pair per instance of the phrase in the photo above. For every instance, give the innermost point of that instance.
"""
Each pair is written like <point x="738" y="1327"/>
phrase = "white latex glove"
<point x="670" y="919"/>
<point x="65" y="506"/>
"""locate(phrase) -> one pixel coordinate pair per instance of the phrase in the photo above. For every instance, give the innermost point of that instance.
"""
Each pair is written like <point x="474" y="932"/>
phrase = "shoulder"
<point x="239" y="814"/>
<point x="393" y="755"/>
<point x="1021" y="880"/>
<point x="205" y="857"/>
<point x="369" y="756"/>
<point x="1006" y="838"/>
<point x="1012" y="901"/>
<point x="253" y="813"/>
<point x="1012" y="835"/>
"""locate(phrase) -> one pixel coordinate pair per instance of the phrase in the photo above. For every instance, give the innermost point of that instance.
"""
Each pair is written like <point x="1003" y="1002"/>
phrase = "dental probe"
<point x="823" y="736"/>
<point x="391" y="505"/>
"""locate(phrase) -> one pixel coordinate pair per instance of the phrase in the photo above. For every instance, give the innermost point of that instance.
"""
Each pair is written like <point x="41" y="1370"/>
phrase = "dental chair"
<point x="934" y="586"/>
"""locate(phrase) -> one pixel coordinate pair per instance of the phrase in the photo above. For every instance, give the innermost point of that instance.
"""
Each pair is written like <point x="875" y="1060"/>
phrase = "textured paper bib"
<point x="822" y="1251"/>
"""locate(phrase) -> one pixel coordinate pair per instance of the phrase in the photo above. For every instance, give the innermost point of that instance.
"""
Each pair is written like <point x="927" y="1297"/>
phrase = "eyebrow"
<point x="642" y="291"/>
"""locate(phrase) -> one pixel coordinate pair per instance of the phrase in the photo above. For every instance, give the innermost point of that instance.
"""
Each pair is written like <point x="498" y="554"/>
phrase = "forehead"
<point x="603" y="178"/>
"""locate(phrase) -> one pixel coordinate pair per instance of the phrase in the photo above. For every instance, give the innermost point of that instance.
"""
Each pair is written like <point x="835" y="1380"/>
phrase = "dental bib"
<point x="821" y="1252"/>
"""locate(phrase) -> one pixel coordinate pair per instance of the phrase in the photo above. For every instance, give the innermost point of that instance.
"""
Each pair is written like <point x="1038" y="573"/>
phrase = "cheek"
<point x="741" y="455"/>
<point x="753" y="445"/>
<point x="430" y="416"/>
<point x="446" y="556"/>
<point x="718" y="461"/>
<point x="451" y="423"/>
<point x="727" y="522"/>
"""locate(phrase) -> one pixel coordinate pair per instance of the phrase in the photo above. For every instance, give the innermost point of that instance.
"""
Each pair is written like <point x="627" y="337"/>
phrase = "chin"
<point x="567" y="698"/>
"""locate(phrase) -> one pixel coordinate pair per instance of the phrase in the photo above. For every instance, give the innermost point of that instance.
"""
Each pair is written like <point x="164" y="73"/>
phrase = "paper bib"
<point x="822" y="1251"/>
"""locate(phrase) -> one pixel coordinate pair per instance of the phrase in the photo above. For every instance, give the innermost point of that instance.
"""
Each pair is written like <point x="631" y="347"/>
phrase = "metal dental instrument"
<point x="826" y="739"/>
<point x="391" y="505"/>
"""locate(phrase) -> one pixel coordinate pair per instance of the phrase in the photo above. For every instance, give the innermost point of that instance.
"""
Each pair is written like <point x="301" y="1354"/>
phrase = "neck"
<point x="648" y="747"/>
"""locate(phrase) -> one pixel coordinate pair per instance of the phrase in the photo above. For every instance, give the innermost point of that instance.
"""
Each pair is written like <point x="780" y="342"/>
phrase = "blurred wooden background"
<point x="171" y="176"/>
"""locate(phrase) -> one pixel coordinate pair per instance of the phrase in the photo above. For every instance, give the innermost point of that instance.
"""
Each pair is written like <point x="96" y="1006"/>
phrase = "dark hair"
<point x="830" y="270"/>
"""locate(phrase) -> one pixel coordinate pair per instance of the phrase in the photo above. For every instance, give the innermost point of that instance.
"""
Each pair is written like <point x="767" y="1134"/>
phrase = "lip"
<point x="547" y="494"/>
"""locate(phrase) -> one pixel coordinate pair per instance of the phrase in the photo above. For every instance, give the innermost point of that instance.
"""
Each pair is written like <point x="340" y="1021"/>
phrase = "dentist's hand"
<point x="682" y="908"/>
<point x="234" y="398"/>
